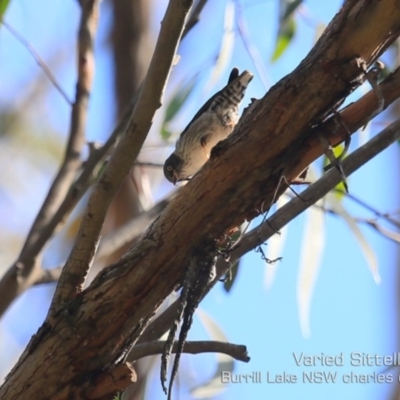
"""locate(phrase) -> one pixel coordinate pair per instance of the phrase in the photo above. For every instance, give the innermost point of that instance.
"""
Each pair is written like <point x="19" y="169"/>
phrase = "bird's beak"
<point x="175" y="178"/>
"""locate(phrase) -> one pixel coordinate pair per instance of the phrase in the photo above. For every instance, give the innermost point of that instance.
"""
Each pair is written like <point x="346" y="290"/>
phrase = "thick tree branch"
<point x="349" y="120"/>
<point x="259" y="235"/>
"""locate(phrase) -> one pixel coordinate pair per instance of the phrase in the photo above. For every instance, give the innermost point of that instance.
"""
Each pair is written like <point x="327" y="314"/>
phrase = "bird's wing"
<point x="232" y="77"/>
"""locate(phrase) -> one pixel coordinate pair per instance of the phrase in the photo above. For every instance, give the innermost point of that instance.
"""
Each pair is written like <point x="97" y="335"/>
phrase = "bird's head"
<point x="173" y="168"/>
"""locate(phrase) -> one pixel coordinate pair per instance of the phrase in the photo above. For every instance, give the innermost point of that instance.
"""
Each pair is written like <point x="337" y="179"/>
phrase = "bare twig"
<point x="394" y="236"/>
<point x="283" y="216"/>
<point x="377" y="213"/>
<point x="37" y="58"/>
<point x="238" y="352"/>
<point x="150" y="99"/>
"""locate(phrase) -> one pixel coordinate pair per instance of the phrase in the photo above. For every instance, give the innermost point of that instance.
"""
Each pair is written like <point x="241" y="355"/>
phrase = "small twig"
<point x="238" y="352"/>
<point x="334" y="162"/>
<point x="37" y="58"/>
<point x="394" y="236"/>
<point x="363" y="204"/>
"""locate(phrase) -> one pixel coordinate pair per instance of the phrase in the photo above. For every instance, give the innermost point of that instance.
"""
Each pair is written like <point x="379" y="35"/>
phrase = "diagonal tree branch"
<point x="353" y="117"/>
<point x="259" y="235"/>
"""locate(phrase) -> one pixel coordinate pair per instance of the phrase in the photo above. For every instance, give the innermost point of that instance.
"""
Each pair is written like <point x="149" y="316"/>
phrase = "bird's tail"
<point x="235" y="90"/>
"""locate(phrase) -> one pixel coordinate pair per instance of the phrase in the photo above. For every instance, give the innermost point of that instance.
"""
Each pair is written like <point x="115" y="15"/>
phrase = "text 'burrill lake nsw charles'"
<point x="322" y="368"/>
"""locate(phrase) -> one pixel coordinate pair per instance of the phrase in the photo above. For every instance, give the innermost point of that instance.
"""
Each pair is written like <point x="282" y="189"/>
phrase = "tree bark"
<point x="84" y="342"/>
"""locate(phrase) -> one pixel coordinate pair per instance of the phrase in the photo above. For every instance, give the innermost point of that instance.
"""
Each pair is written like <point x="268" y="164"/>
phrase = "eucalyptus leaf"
<point x="3" y="7"/>
<point x="225" y="363"/>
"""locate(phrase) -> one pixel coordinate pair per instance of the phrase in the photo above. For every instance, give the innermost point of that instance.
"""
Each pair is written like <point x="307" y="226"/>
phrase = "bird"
<point x="214" y="122"/>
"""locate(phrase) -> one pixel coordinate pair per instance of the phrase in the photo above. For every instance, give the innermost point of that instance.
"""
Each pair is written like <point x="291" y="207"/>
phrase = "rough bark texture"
<point x="81" y="345"/>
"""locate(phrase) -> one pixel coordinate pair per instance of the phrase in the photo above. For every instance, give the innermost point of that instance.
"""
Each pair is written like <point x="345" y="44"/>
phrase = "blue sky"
<point x="349" y="311"/>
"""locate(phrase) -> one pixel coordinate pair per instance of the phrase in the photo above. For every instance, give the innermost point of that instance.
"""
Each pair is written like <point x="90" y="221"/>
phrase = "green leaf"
<point x="165" y="133"/>
<point x="339" y="191"/>
<point x="287" y="26"/>
<point x="175" y="104"/>
<point x="178" y="100"/>
<point x="365" y="247"/>
<point x="3" y="6"/>
<point x="312" y="250"/>
<point x="214" y="385"/>
<point x="285" y="36"/>
<point x="231" y="277"/>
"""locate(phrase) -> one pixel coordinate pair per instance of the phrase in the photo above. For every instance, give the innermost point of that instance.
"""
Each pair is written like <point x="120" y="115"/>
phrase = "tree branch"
<point x="238" y="352"/>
